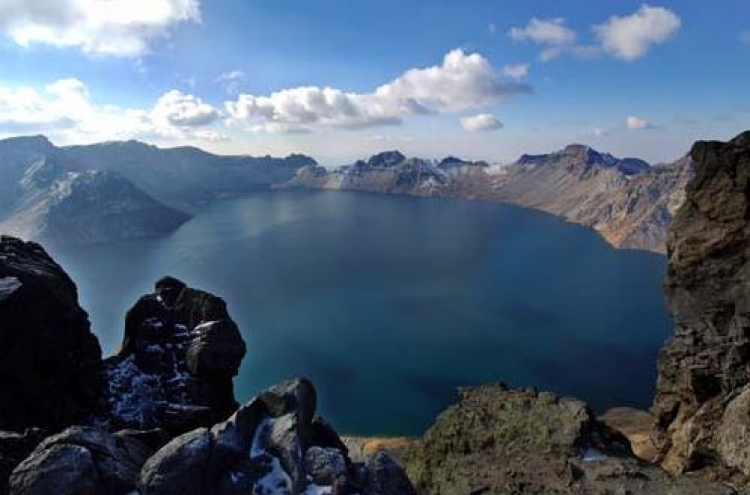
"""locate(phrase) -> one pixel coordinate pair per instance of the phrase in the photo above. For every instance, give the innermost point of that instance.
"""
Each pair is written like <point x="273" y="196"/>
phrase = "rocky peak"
<point x="702" y="402"/>
<point x="386" y="159"/>
<point x="580" y="155"/>
<point x="581" y="152"/>
<point x="180" y="352"/>
<point x="452" y="162"/>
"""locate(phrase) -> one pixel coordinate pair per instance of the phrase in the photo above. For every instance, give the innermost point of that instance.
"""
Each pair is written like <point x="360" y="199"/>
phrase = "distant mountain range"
<point x="629" y="202"/>
<point x="115" y="190"/>
<point x="99" y="193"/>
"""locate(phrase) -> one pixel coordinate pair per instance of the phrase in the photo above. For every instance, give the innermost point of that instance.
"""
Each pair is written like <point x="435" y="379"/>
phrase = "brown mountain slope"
<point x="628" y="202"/>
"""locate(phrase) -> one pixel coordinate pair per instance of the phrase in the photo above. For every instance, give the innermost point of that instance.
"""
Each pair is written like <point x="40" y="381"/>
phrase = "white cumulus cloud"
<point x="102" y="27"/>
<point x="553" y="34"/>
<point x="638" y="124"/>
<point x="462" y="82"/>
<point x="65" y="110"/>
<point x="180" y="109"/>
<point x="630" y="37"/>
<point x="481" y="122"/>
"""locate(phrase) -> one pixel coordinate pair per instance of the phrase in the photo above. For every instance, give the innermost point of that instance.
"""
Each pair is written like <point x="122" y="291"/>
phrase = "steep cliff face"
<point x="631" y="206"/>
<point x="50" y="365"/>
<point x="627" y="201"/>
<point x="703" y="393"/>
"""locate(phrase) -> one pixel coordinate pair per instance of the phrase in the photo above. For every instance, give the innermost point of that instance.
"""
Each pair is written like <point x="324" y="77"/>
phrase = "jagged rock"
<point x="637" y="426"/>
<point x="51" y="362"/>
<point x="180" y="352"/>
<point x="387" y="476"/>
<point x="495" y="436"/>
<point x="14" y="448"/>
<point x="273" y="444"/>
<point x="503" y="441"/>
<point x="702" y="390"/>
<point x="81" y="461"/>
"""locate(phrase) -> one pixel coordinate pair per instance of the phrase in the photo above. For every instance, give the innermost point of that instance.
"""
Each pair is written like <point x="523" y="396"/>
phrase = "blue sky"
<point x="339" y="79"/>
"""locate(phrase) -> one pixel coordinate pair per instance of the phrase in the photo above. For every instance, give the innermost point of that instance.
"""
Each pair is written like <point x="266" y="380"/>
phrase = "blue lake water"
<point x="390" y="303"/>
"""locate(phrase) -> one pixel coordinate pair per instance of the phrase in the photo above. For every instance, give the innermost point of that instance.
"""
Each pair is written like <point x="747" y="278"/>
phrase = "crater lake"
<point x="390" y="303"/>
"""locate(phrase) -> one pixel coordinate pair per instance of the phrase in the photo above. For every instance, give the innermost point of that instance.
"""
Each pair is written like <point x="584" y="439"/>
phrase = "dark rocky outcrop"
<point x="14" y="448"/>
<point x="702" y="402"/>
<point x="273" y="444"/>
<point x="179" y="355"/>
<point x="84" y="461"/>
<point x="51" y="362"/>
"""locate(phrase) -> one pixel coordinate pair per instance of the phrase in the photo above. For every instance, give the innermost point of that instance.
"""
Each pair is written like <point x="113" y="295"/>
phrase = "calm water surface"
<point x="390" y="303"/>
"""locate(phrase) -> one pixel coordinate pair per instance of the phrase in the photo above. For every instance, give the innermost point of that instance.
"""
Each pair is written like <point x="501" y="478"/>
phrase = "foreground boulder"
<point x="179" y="355"/>
<point x="273" y="445"/>
<point x="84" y="461"/>
<point x="497" y="440"/>
<point x="14" y="448"/>
<point x="51" y="362"/>
<point x="702" y="402"/>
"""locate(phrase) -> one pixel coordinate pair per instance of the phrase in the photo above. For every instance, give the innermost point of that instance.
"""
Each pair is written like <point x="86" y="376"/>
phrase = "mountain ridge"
<point x="89" y="194"/>
<point x="627" y="201"/>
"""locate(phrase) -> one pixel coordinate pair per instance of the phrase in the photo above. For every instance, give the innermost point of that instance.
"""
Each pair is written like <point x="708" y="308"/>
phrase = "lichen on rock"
<point x="703" y="369"/>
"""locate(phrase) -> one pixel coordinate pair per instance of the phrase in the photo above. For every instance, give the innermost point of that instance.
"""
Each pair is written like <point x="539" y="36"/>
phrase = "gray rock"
<point x="14" y="448"/>
<point x="269" y="446"/>
<point x="216" y="348"/>
<point x="81" y="461"/>
<point x="325" y="465"/>
<point x="700" y="402"/>
<point x="180" y="467"/>
<point x="387" y="477"/>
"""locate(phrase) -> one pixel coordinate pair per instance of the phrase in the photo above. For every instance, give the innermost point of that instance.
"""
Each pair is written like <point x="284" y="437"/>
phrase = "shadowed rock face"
<point x="702" y="402"/>
<point x="50" y="364"/>
<point x="179" y="355"/>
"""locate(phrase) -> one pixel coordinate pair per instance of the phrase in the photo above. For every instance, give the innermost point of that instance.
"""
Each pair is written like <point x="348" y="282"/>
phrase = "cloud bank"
<point x="65" y="109"/>
<point x="123" y="28"/>
<point x="462" y="82"/>
<point x="627" y="37"/>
